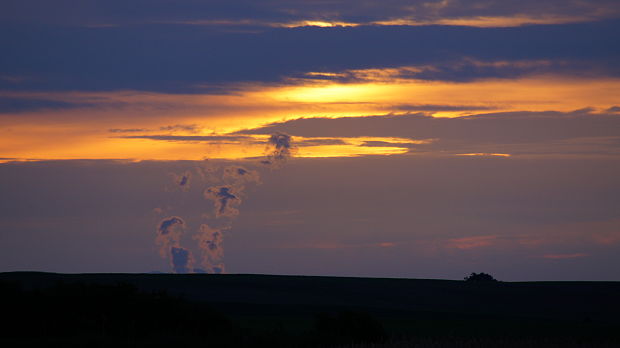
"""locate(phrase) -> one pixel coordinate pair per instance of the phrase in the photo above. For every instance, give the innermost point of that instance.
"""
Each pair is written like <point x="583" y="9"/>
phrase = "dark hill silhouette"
<point x="299" y="310"/>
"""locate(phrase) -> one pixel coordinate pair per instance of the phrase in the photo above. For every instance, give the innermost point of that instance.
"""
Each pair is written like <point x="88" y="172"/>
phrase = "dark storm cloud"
<point x="178" y="58"/>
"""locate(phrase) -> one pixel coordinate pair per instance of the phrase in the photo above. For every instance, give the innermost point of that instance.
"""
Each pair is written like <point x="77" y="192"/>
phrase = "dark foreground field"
<point x="164" y="310"/>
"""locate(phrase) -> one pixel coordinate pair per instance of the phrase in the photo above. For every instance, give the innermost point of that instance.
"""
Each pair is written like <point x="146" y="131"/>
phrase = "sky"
<point x="414" y="139"/>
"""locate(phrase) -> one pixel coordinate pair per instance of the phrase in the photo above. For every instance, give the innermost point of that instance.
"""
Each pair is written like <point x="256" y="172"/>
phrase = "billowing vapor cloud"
<point x="279" y="149"/>
<point x="239" y="175"/>
<point x="167" y="226"/>
<point x="181" y="260"/>
<point x="210" y="241"/>
<point x="207" y="171"/>
<point x="182" y="181"/>
<point x="228" y="185"/>
<point x="282" y="144"/>
<point x="225" y="199"/>
<point x="169" y="232"/>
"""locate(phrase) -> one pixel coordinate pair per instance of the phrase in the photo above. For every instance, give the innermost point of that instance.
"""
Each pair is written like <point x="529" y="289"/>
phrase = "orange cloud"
<point x="471" y="242"/>
<point x="485" y="154"/>
<point x="336" y="245"/>
<point x="83" y="131"/>
<point x="492" y="21"/>
<point x="593" y="233"/>
<point x="607" y="238"/>
<point x="564" y="256"/>
<point x="497" y="21"/>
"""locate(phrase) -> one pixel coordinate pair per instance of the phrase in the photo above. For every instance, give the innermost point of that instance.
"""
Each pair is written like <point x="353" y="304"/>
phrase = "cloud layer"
<point x="299" y="12"/>
<point x="579" y="133"/>
<point x="178" y="58"/>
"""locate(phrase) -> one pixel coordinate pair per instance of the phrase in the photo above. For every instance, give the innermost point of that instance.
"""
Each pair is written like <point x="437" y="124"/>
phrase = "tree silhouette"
<point x="480" y="277"/>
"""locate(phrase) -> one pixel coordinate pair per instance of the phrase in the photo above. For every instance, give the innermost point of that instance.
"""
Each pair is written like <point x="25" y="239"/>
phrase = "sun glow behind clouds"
<point x="81" y="131"/>
<point x="531" y="93"/>
<point x="485" y="154"/>
<point x="317" y="23"/>
<point x="473" y="21"/>
<point x="192" y="147"/>
<point x="491" y="21"/>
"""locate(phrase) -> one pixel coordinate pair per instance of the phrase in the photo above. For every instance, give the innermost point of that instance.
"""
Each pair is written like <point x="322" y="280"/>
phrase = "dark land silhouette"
<point x="202" y="310"/>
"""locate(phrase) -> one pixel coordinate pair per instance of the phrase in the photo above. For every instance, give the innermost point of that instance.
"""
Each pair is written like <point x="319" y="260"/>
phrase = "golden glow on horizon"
<point x="315" y="23"/>
<point x="490" y="21"/>
<point x="485" y="154"/>
<point x="82" y="131"/>
<point x="259" y="23"/>
<point x="348" y="151"/>
<point x="111" y="147"/>
<point x="324" y="74"/>
<point x="526" y="94"/>
<point x="514" y="20"/>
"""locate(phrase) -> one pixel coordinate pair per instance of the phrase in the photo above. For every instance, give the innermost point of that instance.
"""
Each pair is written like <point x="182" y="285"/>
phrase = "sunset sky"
<point x="393" y="138"/>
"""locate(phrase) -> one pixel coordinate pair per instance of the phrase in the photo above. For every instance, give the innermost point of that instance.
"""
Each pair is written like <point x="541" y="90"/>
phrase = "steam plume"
<point x="210" y="243"/>
<point x="225" y="199"/>
<point x="279" y="149"/>
<point x="240" y="175"/>
<point x="182" y="180"/>
<point x="169" y="233"/>
<point x="181" y="259"/>
<point x="228" y="185"/>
